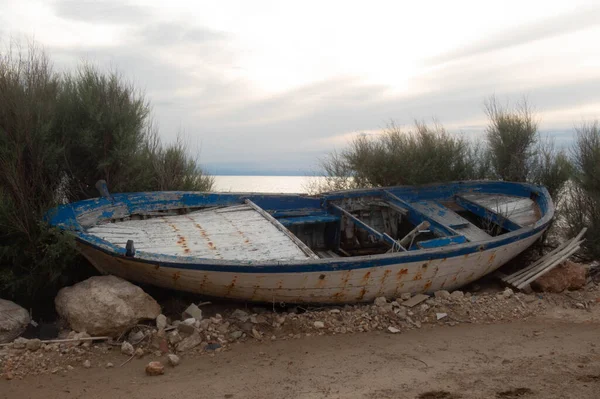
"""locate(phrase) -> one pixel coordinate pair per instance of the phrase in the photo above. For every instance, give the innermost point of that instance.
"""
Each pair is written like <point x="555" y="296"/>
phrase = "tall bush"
<point x="582" y="200"/>
<point x="59" y="134"/>
<point x="425" y="154"/>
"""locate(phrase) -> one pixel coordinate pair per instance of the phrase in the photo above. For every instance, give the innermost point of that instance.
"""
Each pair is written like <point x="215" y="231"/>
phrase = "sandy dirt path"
<point x="549" y="357"/>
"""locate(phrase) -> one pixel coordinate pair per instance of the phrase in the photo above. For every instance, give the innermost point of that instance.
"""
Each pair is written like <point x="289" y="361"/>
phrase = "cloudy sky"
<point x="270" y="86"/>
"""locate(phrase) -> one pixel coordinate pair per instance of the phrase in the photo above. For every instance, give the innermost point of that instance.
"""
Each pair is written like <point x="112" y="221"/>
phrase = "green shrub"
<point x="511" y="136"/>
<point x="395" y="157"/>
<point x="582" y="199"/>
<point x="59" y="134"/>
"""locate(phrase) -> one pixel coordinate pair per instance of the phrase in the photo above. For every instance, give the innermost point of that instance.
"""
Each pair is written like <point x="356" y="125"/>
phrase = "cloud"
<point x="101" y="11"/>
<point x="577" y="20"/>
<point x="170" y="33"/>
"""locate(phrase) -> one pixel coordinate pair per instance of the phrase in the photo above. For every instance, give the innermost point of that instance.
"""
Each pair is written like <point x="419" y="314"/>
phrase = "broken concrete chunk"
<point x="192" y="311"/>
<point x="393" y="330"/>
<point x="173" y="359"/>
<point x="415" y="300"/>
<point x="441" y="316"/>
<point x="319" y="324"/>
<point x="190" y="342"/>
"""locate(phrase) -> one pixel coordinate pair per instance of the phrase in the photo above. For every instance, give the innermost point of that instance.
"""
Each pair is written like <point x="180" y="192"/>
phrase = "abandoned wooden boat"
<point x="339" y="247"/>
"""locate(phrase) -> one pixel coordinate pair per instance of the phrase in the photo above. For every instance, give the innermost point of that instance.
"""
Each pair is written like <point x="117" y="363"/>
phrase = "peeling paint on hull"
<point x="333" y="280"/>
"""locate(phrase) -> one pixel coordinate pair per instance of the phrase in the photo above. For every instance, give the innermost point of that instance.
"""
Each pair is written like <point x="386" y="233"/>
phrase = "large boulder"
<point x="567" y="276"/>
<point x="105" y="305"/>
<point x="13" y="320"/>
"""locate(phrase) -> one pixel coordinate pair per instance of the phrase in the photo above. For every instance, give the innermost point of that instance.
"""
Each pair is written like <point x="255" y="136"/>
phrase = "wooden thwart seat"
<point x="449" y="218"/>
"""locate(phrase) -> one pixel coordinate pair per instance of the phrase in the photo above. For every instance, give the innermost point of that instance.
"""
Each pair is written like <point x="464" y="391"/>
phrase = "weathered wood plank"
<point x="282" y="228"/>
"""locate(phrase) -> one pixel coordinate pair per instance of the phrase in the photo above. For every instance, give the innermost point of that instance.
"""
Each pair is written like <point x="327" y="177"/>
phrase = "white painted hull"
<point x="334" y="286"/>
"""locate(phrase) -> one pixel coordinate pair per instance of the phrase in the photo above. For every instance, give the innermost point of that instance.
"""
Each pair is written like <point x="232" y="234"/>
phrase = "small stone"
<point x="87" y="364"/>
<point x="173" y="359"/>
<point x="109" y="365"/>
<point x="393" y="330"/>
<point x="507" y="293"/>
<point x="380" y="301"/>
<point x="135" y="337"/>
<point x="236" y="335"/>
<point x="442" y="294"/>
<point x="256" y="334"/>
<point x="34" y="344"/>
<point x="440" y="316"/>
<point x="190" y="342"/>
<point x="529" y="298"/>
<point x="127" y="348"/>
<point x="185" y="328"/>
<point x="193" y="311"/>
<point x="139" y="353"/>
<point x="405" y="296"/>
<point x="70" y="368"/>
<point x="189" y="321"/>
<point x="424" y="307"/>
<point x="174" y="337"/>
<point x="155" y="368"/>
<point x="580" y="305"/>
<point x="240" y="315"/>
<point x="457" y="295"/>
<point x="334" y="311"/>
<point x="20" y="343"/>
<point x="320" y="324"/>
<point x="161" y="322"/>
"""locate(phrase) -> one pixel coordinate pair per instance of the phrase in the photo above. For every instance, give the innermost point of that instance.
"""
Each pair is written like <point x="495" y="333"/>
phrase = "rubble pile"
<point x="205" y="332"/>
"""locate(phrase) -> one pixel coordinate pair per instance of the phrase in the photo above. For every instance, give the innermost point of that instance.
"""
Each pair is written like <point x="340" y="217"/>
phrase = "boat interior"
<point x="255" y="228"/>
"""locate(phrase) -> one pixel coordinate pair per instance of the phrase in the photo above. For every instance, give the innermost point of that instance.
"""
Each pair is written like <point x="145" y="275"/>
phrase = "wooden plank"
<point x="447" y="217"/>
<point x="415" y="216"/>
<point x="313" y="219"/>
<point x="519" y="210"/>
<point x="282" y="228"/>
<point x="487" y="214"/>
<point x="442" y="241"/>
<point x="359" y="223"/>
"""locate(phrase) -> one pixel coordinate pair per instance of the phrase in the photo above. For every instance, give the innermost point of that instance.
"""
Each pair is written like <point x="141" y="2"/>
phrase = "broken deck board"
<point x="239" y="233"/>
<point x="449" y="218"/>
<point x="519" y="210"/>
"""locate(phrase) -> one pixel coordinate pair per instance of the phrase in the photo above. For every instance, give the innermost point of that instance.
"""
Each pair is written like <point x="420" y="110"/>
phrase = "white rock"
<point x="319" y="324"/>
<point x="109" y="365"/>
<point x="507" y="293"/>
<point x="87" y="364"/>
<point x="193" y="311"/>
<point x="334" y="311"/>
<point x="393" y="330"/>
<point x="13" y="320"/>
<point x="127" y="348"/>
<point x="173" y="359"/>
<point x="161" y="322"/>
<point x="440" y="316"/>
<point x="105" y="305"/>
<point x="190" y="321"/>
